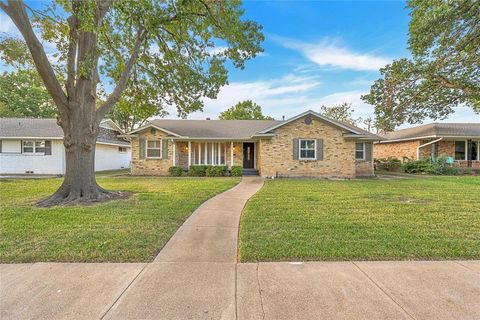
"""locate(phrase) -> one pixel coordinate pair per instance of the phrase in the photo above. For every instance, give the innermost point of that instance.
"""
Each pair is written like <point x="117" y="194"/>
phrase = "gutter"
<point x="426" y="144"/>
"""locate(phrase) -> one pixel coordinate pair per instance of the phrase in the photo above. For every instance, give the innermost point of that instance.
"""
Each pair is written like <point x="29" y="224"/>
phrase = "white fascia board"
<point x="151" y="125"/>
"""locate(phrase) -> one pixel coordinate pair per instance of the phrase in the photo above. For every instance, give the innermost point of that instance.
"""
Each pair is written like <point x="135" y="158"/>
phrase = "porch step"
<point x="250" y="172"/>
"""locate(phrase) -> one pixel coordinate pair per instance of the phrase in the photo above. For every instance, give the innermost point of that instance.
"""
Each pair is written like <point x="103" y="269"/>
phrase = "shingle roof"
<point x="436" y="130"/>
<point x="238" y="129"/>
<point x="232" y="129"/>
<point x="47" y="128"/>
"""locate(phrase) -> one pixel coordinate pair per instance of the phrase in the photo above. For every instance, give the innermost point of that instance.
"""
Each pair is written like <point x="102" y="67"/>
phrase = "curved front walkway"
<point x="194" y="275"/>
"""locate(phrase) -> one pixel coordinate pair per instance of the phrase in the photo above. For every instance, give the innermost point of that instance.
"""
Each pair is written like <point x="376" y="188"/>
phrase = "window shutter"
<point x="21" y="146"/>
<point x="295" y="148"/>
<point x="320" y="149"/>
<point x="368" y="151"/>
<point x="0" y="146"/>
<point x="48" y="147"/>
<point x="141" y="150"/>
<point x="164" y="148"/>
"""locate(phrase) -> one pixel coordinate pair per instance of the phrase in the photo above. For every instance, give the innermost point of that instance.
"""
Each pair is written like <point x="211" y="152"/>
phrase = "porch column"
<point x="174" y="153"/>
<point x="189" y="153"/>
<point x="231" y="154"/>
<point x="206" y="153"/>
<point x="219" y="154"/>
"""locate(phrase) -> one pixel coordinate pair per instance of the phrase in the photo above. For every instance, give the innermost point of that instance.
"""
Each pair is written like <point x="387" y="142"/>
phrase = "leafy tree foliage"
<point x="341" y="112"/>
<point x="444" y="72"/>
<point x="166" y="46"/>
<point x="22" y="94"/>
<point x="244" y="110"/>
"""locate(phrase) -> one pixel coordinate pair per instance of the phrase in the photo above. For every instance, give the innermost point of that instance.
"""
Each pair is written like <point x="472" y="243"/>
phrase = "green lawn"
<point x="120" y="231"/>
<point x="420" y="218"/>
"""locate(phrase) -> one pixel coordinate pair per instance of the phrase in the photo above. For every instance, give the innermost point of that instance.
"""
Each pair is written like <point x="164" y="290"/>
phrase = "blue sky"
<point x="316" y="53"/>
<point x="319" y="52"/>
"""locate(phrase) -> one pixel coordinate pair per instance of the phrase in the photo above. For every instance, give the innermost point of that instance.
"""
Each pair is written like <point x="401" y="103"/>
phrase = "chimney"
<point x="283" y="118"/>
<point x="207" y="119"/>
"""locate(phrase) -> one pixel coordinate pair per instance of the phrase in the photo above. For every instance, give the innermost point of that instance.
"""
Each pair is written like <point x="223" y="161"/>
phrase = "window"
<point x="360" y="151"/>
<point x="154" y="149"/>
<point x="33" y="147"/>
<point x="460" y="150"/>
<point x="122" y="149"/>
<point x="307" y="149"/>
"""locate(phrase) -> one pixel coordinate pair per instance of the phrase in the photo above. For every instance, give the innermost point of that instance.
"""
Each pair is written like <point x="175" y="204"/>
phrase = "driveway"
<point x="196" y="276"/>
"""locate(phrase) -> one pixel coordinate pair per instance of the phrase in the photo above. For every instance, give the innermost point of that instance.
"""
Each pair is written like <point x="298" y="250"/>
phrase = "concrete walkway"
<point x="196" y="276"/>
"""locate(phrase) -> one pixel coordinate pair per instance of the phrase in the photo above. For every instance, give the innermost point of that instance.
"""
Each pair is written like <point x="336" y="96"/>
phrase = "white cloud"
<point x="327" y="53"/>
<point x="6" y="24"/>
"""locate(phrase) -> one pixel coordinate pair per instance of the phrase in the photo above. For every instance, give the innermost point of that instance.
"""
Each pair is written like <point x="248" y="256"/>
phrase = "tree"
<point x="166" y="44"/>
<point x="139" y="102"/>
<point x="22" y="94"/>
<point x="444" y="72"/>
<point x="244" y="110"/>
<point x="341" y="112"/>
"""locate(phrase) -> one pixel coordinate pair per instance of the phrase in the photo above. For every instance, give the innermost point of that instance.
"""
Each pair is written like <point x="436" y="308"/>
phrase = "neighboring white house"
<point x="35" y="146"/>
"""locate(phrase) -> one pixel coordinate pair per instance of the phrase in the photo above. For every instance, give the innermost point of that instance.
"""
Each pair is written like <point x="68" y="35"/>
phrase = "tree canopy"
<point x="244" y="110"/>
<point x="341" y="112"/>
<point x="444" y="71"/>
<point x="22" y="94"/>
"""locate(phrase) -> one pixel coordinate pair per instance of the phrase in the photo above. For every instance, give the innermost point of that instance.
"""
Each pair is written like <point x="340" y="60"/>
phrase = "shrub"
<point x="175" y="171"/>
<point x="216" y="171"/>
<point x="439" y="166"/>
<point x="237" y="171"/>
<point x="197" y="171"/>
<point x="388" y="164"/>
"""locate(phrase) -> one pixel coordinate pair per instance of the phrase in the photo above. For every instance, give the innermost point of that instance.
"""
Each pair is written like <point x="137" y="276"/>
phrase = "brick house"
<point x="460" y="141"/>
<point x="308" y="144"/>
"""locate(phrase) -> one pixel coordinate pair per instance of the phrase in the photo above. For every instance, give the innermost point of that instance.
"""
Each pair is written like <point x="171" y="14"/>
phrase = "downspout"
<point x="426" y="144"/>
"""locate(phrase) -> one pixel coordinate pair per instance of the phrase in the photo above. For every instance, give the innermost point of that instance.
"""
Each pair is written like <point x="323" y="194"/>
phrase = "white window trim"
<point x="146" y="149"/>
<point x="300" y="149"/>
<point x="34" y="147"/>
<point x="363" y="151"/>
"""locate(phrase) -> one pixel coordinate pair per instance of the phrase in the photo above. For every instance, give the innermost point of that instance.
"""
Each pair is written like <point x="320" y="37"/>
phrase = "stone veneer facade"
<point x="398" y="150"/>
<point x="274" y="156"/>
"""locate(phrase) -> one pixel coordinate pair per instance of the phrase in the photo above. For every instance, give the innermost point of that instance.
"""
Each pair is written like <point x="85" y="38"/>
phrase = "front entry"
<point x="248" y="155"/>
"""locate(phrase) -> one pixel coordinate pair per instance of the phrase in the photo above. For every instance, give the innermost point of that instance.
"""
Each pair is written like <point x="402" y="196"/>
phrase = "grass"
<point x="132" y="230"/>
<point x="429" y="218"/>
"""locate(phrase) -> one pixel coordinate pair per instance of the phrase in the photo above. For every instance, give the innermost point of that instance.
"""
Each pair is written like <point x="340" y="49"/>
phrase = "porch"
<point x="217" y="153"/>
<point x="465" y="153"/>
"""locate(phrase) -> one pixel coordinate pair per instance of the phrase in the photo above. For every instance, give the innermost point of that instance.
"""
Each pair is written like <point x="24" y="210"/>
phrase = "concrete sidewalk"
<point x="196" y="276"/>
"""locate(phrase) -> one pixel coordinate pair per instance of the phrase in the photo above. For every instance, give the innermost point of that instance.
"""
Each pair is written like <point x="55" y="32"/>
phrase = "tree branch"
<point x="122" y="82"/>
<point x="72" y="53"/>
<point x="16" y="11"/>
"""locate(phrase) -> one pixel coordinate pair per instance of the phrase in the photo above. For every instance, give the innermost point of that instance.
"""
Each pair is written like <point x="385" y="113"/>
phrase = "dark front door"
<point x="248" y="155"/>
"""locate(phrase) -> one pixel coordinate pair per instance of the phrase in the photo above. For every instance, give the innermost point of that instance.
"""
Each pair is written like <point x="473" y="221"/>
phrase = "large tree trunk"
<point x="79" y="185"/>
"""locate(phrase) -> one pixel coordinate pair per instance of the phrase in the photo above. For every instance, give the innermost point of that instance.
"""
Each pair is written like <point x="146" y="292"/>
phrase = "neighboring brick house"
<point x="460" y="141"/>
<point x="306" y="145"/>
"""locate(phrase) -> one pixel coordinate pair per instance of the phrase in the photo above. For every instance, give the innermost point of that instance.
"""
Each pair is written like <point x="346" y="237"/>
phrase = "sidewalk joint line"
<point x="385" y="292"/>
<point x="467" y="267"/>
<point x="124" y="290"/>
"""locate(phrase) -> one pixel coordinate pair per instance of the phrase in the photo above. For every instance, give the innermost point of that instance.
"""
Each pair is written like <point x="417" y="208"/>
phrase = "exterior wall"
<point x="398" y="150"/>
<point x="150" y="166"/>
<point x="107" y="157"/>
<point x="364" y="168"/>
<point x="20" y="163"/>
<point x="12" y="161"/>
<point x="445" y="147"/>
<point x="338" y="153"/>
<point x="181" y="154"/>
